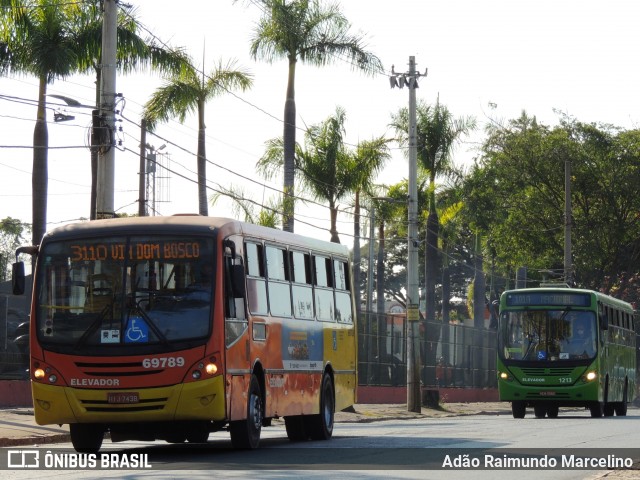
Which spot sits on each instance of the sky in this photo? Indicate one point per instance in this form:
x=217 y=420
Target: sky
x=489 y=59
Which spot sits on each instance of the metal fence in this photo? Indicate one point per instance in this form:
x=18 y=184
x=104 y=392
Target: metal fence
x=450 y=355
x=14 y=338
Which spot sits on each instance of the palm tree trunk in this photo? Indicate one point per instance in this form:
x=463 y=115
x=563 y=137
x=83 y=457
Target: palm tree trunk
x=433 y=330
x=333 y=211
x=479 y=298
x=357 y=268
x=203 y=208
x=40 y=174
x=289 y=141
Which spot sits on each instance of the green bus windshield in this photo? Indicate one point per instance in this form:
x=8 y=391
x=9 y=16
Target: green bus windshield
x=548 y=335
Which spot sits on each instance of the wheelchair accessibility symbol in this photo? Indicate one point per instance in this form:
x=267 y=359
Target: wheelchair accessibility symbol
x=137 y=331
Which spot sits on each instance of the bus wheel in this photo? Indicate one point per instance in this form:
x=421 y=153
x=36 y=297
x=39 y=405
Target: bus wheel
x=596 y=409
x=552 y=411
x=246 y=433
x=320 y=427
x=607 y=409
x=540 y=411
x=86 y=437
x=198 y=433
x=621 y=407
x=518 y=409
x=295 y=426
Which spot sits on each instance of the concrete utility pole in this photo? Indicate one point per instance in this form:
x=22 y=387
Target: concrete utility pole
x=142 y=184
x=414 y=403
x=568 y=220
x=106 y=159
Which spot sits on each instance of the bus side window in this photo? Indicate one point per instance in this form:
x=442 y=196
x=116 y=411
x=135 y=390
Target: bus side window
x=301 y=289
x=256 y=282
x=279 y=286
x=234 y=292
x=325 y=308
x=344 y=311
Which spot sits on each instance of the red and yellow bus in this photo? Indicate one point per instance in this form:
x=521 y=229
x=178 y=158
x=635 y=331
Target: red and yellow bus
x=174 y=327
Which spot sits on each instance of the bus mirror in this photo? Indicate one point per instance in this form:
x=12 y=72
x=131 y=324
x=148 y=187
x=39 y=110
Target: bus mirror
x=17 y=278
x=237 y=278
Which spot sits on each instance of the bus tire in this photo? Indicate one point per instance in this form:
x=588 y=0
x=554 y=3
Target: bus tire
x=608 y=409
x=86 y=437
x=518 y=409
x=198 y=433
x=621 y=407
x=539 y=411
x=552 y=411
x=245 y=434
x=596 y=409
x=320 y=426
x=295 y=426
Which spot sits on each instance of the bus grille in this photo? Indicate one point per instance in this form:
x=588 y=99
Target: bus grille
x=144 y=405
x=115 y=369
x=548 y=372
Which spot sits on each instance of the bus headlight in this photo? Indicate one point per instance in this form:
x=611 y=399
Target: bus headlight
x=38 y=373
x=505 y=376
x=211 y=368
x=589 y=376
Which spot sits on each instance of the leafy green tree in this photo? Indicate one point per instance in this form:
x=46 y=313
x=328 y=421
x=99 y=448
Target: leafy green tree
x=307 y=31
x=187 y=92
x=515 y=195
x=12 y=233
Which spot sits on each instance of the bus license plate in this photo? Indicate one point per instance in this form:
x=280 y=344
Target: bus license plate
x=547 y=394
x=123 y=397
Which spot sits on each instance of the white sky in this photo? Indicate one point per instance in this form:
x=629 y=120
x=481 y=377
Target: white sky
x=577 y=56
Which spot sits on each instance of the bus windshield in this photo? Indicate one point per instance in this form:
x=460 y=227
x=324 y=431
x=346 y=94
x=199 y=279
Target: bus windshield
x=127 y=291
x=554 y=335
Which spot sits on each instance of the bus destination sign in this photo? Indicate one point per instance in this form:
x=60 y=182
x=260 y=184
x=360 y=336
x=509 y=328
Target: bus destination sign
x=135 y=251
x=548 y=298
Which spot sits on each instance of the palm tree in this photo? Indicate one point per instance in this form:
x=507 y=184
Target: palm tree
x=187 y=92
x=308 y=31
x=437 y=134
x=39 y=38
x=52 y=41
x=133 y=53
x=245 y=207
x=328 y=170
x=370 y=156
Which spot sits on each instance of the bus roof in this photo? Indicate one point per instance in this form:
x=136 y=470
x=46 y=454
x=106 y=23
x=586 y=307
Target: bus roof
x=193 y=224
x=601 y=297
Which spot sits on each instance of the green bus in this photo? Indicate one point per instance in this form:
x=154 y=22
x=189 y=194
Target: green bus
x=565 y=347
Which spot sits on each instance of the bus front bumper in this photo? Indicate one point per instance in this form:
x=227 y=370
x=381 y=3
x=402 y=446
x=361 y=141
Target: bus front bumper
x=202 y=400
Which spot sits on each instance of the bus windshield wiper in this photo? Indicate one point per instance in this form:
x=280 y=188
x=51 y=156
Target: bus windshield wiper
x=152 y=325
x=93 y=327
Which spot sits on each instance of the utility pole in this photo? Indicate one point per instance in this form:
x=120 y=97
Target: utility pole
x=414 y=403
x=142 y=190
x=106 y=159
x=568 y=220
